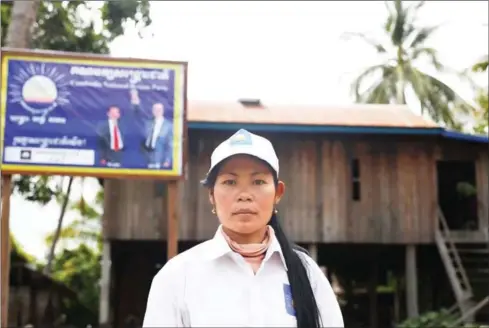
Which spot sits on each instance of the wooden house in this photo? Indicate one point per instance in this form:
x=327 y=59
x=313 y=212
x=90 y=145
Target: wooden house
x=372 y=190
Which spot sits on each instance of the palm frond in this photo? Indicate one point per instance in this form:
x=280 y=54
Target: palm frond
x=417 y=81
x=447 y=92
x=371 y=41
x=389 y=23
x=417 y=6
x=359 y=81
x=409 y=30
x=439 y=110
x=383 y=91
x=421 y=35
x=438 y=99
x=387 y=5
x=431 y=54
x=412 y=12
x=377 y=94
x=398 y=30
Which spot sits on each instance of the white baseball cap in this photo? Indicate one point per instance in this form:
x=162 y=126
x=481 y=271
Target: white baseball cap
x=244 y=142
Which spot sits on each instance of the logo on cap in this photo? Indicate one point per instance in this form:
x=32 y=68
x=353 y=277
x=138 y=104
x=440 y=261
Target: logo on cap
x=242 y=137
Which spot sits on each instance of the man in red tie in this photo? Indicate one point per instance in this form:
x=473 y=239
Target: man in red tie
x=111 y=141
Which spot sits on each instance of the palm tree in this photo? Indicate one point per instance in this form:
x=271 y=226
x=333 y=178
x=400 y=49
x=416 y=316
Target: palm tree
x=398 y=72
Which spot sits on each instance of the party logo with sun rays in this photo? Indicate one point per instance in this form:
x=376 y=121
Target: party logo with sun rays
x=37 y=89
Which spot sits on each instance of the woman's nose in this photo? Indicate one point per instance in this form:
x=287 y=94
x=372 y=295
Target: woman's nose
x=244 y=197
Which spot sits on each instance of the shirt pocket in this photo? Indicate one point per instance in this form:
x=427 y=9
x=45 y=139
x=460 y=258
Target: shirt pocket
x=279 y=306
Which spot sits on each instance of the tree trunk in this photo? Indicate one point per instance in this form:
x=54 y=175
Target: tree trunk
x=49 y=264
x=401 y=83
x=22 y=19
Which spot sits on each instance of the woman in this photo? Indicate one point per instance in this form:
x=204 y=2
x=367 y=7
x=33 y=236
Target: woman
x=249 y=274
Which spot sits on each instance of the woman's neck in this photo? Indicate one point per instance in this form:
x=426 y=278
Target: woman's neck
x=253 y=253
x=254 y=238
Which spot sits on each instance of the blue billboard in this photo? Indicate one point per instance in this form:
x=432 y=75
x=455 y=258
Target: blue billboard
x=70 y=115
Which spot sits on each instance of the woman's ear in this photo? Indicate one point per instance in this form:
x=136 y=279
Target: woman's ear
x=279 y=192
x=211 y=197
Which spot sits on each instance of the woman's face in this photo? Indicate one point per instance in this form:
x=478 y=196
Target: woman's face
x=244 y=197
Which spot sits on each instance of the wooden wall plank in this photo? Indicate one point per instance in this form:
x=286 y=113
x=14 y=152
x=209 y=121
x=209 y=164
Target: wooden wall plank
x=397 y=179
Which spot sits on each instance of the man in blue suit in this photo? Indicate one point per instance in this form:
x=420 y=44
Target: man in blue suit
x=157 y=134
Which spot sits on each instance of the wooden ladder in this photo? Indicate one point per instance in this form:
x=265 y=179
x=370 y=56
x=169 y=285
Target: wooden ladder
x=456 y=272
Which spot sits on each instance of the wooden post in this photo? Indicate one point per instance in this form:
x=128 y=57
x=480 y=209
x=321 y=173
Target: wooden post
x=105 y=285
x=411 y=282
x=372 y=293
x=172 y=215
x=397 y=299
x=5 y=248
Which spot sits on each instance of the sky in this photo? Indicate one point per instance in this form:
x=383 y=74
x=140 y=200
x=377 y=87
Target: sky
x=279 y=52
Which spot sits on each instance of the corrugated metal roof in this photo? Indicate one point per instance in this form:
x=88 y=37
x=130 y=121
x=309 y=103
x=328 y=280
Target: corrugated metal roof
x=357 y=118
x=359 y=115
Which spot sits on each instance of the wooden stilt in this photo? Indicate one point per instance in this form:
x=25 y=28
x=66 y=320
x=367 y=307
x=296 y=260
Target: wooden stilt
x=5 y=248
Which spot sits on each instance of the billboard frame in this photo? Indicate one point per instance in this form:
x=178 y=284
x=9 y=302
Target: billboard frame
x=10 y=53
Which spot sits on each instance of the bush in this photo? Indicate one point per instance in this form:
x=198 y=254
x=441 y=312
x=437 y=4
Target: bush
x=432 y=319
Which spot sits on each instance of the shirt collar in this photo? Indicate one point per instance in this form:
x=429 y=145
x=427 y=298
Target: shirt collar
x=219 y=247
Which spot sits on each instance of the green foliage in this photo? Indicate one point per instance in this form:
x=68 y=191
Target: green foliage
x=60 y=27
x=398 y=71
x=441 y=319
x=36 y=188
x=5 y=19
x=482 y=113
x=116 y=14
x=482 y=100
x=79 y=269
x=482 y=65
x=466 y=189
x=86 y=228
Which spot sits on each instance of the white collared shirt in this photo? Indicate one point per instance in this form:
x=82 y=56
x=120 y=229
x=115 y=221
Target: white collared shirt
x=209 y=285
x=156 y=130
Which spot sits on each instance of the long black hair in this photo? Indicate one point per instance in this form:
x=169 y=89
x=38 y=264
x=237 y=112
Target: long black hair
x=306 y=309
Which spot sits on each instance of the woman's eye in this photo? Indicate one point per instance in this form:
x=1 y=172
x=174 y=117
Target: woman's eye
x=229 y=182
x=259 y=182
